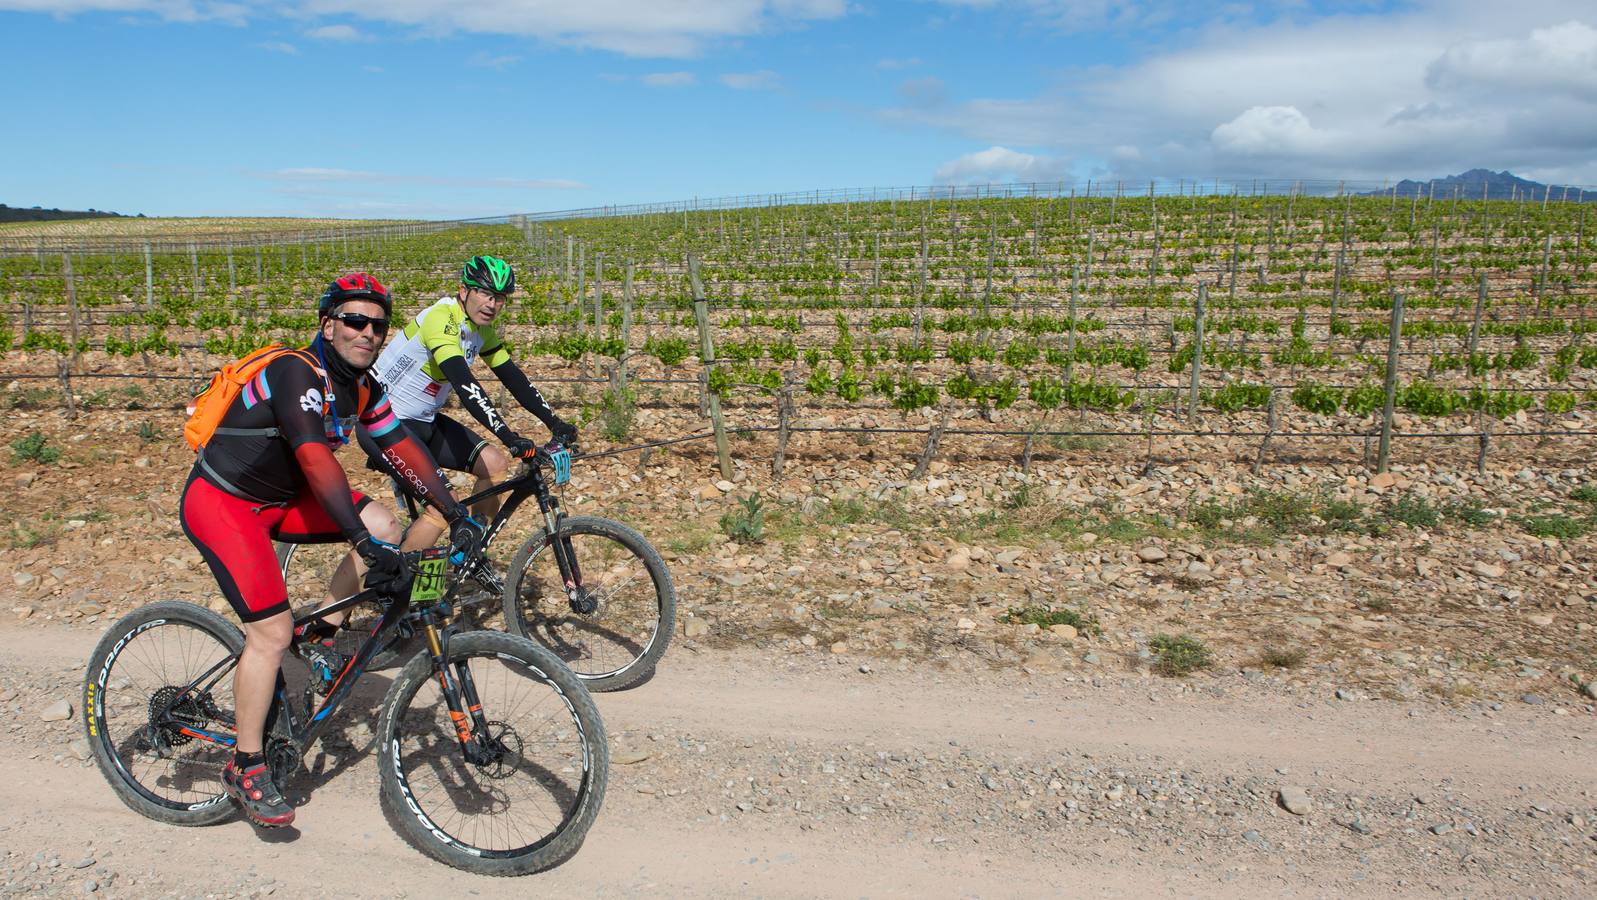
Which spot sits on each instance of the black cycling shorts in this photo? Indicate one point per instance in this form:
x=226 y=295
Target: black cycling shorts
x=453 y=445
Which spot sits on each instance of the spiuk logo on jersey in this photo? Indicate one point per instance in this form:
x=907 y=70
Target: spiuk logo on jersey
x=311 y=400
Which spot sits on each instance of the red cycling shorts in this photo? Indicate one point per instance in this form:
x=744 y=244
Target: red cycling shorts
x=235 y=536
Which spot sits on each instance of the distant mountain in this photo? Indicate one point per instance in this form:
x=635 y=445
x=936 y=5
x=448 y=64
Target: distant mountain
x=1478 y=183
x=39 y=214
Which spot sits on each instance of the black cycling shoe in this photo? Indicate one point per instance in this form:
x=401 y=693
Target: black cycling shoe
x=258 y=795
x=326 y=664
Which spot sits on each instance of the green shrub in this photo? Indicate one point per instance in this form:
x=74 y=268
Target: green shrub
x=1044 y=617
x=34 y=448
x=1317 y=398
x=745 y=525
x=1179 y=655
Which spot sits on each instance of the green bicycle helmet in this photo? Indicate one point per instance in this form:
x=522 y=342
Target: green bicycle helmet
x=489 y=273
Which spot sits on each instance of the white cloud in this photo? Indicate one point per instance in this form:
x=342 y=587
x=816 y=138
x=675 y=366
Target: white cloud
x=669 y=79
x=1443 y=86
x=763 y=80
x=336 y=33
x=279 y=47
x=999 y=164
x=484 y=60
x=1561 y=59
x=1267 y=130
x=647 y=28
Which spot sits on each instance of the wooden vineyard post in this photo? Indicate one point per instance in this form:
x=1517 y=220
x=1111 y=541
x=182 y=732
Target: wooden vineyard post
x=1272 y=420
x=1475 y=325
x=784 y=423
x=626 y=321
x=1485 y=445
x=71 y=356
x=598 y=296
x=934 y=436
x=257 y=262
x=1197 y=351
x=232 y=274
x=701 y=314
x=1541 y=280
x=1070 y=328
x=1336 y=294
x=1384 y=453
x=194 y=272
x=876 y=264
x=149 y=279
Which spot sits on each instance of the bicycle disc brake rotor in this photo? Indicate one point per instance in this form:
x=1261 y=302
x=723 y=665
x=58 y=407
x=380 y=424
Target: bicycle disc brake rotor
x=502 y=748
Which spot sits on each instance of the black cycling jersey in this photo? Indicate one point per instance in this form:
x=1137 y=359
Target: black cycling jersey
x=291 y=433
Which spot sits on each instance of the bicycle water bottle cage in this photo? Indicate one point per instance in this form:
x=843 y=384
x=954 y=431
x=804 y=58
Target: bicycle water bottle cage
x=561 y=462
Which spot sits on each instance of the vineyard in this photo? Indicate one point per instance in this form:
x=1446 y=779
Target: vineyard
x=1361 y=326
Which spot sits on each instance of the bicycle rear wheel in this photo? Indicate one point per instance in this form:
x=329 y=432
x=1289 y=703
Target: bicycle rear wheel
x=146 y=733
x=626 y=581
x=527 y=799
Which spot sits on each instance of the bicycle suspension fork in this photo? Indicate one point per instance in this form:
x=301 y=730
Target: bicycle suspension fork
x=565 y=557
x=460 y=695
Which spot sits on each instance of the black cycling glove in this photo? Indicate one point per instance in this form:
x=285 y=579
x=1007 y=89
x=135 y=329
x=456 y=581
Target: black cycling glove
x=386 y=570
x=465 y=538
x=564 y=432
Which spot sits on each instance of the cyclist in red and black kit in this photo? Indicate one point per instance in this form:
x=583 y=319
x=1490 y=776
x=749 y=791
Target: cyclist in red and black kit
x=268 y=473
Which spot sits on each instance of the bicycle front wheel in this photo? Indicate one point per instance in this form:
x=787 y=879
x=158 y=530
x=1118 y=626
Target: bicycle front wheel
x=520 y=793
x=619 y=626
x=159 y=682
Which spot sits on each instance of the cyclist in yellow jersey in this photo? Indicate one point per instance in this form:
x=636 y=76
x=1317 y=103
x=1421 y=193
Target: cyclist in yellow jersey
x=432 y=359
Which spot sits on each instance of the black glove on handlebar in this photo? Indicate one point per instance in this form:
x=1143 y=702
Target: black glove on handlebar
x=466 y=536
x=386 y=570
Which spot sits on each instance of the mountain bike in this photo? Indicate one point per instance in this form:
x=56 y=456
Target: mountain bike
x=492 y=756
x=590 y=589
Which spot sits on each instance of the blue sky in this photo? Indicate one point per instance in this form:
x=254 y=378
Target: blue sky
x=431 y=108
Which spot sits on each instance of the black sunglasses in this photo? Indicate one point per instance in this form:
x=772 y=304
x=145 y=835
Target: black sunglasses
x=358 y=322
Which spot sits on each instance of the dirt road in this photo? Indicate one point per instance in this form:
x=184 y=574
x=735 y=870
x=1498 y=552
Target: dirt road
x=767 y=774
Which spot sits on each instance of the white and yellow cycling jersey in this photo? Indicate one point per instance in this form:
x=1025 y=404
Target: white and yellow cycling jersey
x=409 y=365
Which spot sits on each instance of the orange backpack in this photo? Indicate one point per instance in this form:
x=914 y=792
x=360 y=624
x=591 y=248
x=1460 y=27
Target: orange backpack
x=206 y=412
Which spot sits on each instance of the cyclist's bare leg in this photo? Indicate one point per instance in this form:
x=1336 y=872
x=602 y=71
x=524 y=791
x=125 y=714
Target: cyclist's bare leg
x=491 y=468
x=256 y=676
x=425 y=531
x=346 y=580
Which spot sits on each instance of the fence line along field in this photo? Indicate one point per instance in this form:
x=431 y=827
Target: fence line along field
x=1269 y=316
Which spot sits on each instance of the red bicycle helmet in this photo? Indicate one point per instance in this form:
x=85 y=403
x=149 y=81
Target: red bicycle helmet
x=355 y=286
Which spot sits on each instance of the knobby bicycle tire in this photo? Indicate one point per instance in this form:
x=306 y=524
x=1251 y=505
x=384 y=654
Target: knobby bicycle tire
x=623 y=641
x=138 y=666
x=552 y=763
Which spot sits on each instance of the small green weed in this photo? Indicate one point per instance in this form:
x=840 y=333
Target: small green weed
x=1554 y=525
x=1470 y=514
x=747 y=524
x=1586 y=493
x=148 y=432
x=1278 y=657
x=1179 y=655
x=1413 y=511
x=617 y=411
x=1044 y=617
x=34 y=447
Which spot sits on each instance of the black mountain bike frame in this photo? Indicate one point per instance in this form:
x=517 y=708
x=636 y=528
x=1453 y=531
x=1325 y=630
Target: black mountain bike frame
x=530 y=482
x=465 y=707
